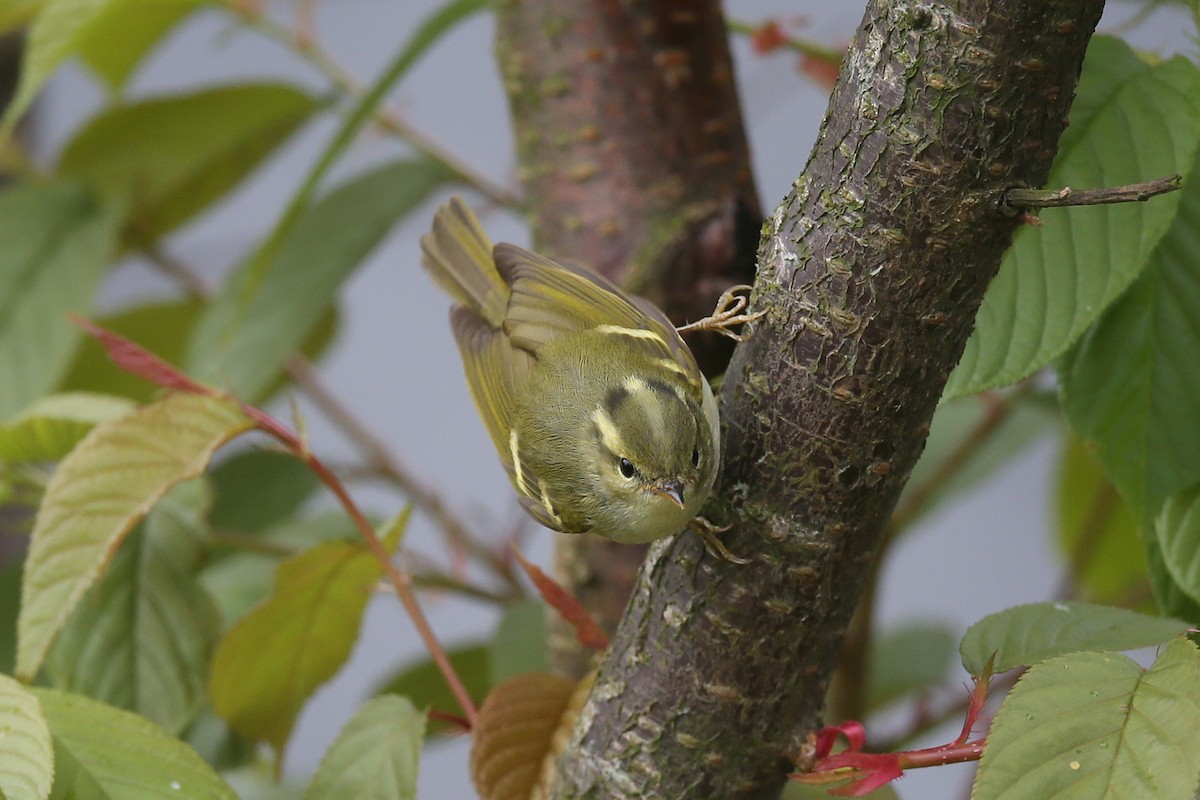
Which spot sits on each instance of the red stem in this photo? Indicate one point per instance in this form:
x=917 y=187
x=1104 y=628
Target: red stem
x=400 y=581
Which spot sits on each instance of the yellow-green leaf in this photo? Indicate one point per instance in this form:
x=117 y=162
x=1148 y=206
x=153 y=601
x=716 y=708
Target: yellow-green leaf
x=375 y=756
x=99 y=492
x=26 y=753
x=271 y=661
x=104 y=753
x=141 y=638
x=52 y=425
x=55 y=242
x=116 y=41
x=1094 y=725
x=171 y=157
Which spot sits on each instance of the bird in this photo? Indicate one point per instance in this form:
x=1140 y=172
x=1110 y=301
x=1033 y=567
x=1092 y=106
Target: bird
x=594 y=403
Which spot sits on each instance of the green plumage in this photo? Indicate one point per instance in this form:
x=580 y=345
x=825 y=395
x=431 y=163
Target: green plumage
x=595 y=405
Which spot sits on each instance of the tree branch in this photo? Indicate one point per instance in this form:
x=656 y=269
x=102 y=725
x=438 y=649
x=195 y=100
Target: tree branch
x=1016 y=200
x=870 y=272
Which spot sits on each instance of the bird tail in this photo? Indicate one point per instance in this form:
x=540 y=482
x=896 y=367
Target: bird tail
x=458 y=254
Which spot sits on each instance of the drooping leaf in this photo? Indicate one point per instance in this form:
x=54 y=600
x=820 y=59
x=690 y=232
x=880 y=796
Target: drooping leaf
x=1131 y=385
x=99 y=492
x=1169 y=596
x=261 y=319
x=55 y=242
x=587 y=630
x=172 y=157
x=1058 y=279
x=120 y=36
x=27 y=766
x=259 y=488
x=52 y=425
x=1095 y=528
x=1027 y=634
x=104 y=753
x=142 y=636
x=375 y=756
x=1178 y=532
x=519 y=644
x=423 y=684
x=240 y=574
x=517 y=734
x=270 y=662
x=1094 y=725
x=910 y=659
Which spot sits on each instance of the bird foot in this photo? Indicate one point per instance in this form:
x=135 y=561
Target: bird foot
x=707 y=532
x=730 y=312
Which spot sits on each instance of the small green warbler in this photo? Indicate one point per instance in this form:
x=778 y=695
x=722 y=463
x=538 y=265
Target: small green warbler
x=594 y=403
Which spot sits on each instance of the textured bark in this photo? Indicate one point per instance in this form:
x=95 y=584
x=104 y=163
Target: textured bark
x=871 y=272
x=634 y=161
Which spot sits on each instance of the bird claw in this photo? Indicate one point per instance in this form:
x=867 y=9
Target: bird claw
x=707 y=532
x=730 y=312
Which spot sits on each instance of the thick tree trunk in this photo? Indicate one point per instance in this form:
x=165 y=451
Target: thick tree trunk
x=871 y=272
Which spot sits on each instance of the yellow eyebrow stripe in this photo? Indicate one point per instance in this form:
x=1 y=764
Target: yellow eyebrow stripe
x=608 y=431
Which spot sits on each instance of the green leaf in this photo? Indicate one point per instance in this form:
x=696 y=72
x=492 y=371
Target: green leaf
x=1027 y=634
x=141 y=638
x=422 y=682
x=171 y=157
x=1178 y=532
x=907 y=660
x=1095 y=528
x=260 y=488
x=258 y=321
x=375 y=756
x=241 y=579
x=53 y=425
x=1094 y=725
x=520 y=641
x=55 y=242
x=99 y=492
x=1168 y=595
x=27 y=768
x=53 y=38
x=1130 y=388
x=103 y=753
x=115 y=40
x=1007 y=424
x=271 y=661
x=1058 y=279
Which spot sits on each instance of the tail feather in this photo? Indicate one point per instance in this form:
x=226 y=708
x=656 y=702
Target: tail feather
x=458 y=254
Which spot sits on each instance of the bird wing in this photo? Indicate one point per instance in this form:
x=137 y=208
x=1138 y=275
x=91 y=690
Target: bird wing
x=549 y=299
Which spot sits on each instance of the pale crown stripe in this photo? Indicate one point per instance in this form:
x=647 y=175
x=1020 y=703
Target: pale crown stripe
x=608 y=431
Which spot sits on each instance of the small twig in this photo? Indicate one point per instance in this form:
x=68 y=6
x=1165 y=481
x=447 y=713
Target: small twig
x=922 y=494
x=380 y=461
x=309 y=49
x=400 y=581
x=802 y=46
x=1016 y=200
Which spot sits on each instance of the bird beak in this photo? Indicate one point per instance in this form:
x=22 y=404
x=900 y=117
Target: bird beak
x=672 y=490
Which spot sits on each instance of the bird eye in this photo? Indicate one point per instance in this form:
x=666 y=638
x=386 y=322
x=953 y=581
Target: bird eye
x=695 y=456
x=627 y=468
